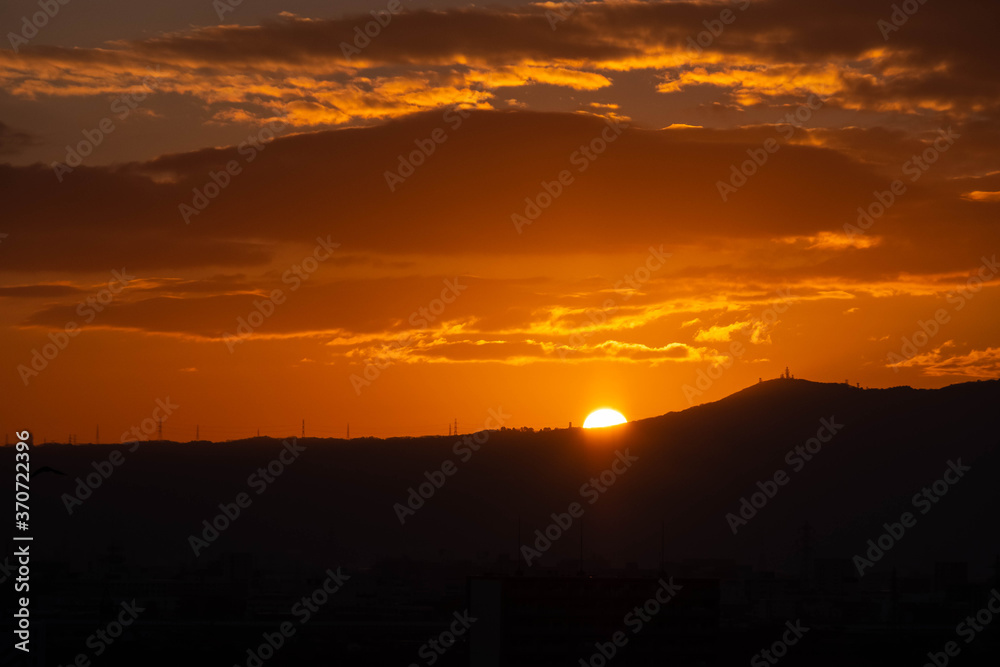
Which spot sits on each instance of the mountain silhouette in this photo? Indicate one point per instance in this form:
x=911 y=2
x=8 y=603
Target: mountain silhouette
x=671 y=505
x=693 y=468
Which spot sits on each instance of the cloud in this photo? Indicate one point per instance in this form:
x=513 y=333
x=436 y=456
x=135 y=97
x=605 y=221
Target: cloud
x=648 y=187
x=758 y=332
x=39 y=291
x=980 y=196
x=652 y=184
x=12 y=141
x=771 y=52
x=718 y=334
x=446 y=350
x=832 y=241
x=943 y=361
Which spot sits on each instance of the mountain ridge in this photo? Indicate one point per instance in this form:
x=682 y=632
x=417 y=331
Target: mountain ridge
x=693 y=468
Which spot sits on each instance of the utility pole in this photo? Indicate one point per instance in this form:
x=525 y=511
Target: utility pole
x=159 y=429
x=303 y=428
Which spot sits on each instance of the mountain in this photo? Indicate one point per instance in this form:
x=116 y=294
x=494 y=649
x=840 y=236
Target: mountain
x=691 y=470
x=219 y=542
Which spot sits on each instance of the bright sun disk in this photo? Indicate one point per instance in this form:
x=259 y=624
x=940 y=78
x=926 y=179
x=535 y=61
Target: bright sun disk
x=604 y=417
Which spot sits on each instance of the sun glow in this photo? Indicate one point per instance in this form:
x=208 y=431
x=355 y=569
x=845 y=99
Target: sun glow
x=604 y=417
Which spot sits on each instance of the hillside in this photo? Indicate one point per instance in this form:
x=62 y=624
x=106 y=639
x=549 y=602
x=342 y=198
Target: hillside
x=692 y=470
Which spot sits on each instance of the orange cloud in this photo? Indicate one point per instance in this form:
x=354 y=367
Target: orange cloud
x=980 y=196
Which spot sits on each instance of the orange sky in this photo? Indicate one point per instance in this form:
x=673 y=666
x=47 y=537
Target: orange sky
x=496 y=207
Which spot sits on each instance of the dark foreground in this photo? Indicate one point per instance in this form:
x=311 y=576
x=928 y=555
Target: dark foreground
x=732 y=533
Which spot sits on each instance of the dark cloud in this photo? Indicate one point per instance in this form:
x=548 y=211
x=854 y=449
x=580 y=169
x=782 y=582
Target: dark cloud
x=646 y=187
x=493 y=36
x=384 y=307
x=100 y=218
x=13 y=141
x=38 y=291
x=213 y=284
x=942 y=57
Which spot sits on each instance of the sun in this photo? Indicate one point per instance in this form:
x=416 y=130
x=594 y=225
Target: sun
x=604 y=417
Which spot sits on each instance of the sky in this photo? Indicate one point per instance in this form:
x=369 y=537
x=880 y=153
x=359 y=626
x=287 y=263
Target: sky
x=235 y=217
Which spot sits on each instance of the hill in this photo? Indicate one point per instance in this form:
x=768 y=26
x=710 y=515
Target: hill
x=692 y=470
